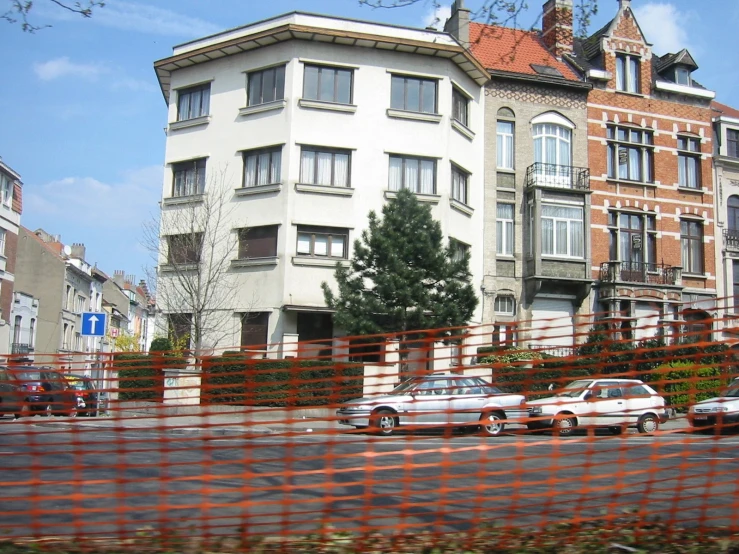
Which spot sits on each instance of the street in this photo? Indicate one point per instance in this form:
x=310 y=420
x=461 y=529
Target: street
x=68 y=479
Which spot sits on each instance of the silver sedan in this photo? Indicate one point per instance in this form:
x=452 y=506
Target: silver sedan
x=437 y=401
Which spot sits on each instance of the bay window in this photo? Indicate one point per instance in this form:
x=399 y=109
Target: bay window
x=562 y=231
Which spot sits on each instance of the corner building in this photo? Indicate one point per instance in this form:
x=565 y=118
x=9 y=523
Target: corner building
x=313 y=121
x=650 y=148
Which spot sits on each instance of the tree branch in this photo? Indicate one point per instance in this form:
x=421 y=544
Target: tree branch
x=20 y=9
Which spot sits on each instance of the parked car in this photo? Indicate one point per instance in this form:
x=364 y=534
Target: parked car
x=87 y=396
x=42 y=390
x=11 y=398
x=435 y=401
x=721 y=410
x=612 y=403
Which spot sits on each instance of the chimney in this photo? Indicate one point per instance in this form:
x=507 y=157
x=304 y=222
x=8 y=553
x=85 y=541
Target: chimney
x=119 y=277
x=624 y=4
x=556 y=29
x=78 y=251
x=458 y=24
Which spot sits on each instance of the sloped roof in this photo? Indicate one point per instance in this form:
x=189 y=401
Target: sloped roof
x=514 y=51
x=591 y=45
x=723 y=109
x=682 y=57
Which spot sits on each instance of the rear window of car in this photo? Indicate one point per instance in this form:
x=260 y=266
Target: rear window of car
x=79 y=384
x=27 y=375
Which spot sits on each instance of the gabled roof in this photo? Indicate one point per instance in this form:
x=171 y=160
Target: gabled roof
x=515 y=51
x=591 y=45
x=722 y=109
x=683 y=57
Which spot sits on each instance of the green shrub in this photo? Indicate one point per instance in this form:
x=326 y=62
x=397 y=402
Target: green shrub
x=161 y=344
x=236 y=379
x=683 y=383
x=138 y=379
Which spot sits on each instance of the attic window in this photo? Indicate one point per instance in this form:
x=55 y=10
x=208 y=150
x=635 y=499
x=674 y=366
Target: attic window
x=682 y=76
x=547 y=70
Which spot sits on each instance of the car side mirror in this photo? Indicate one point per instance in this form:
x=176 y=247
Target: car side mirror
x=588 y=395
x=551 y=386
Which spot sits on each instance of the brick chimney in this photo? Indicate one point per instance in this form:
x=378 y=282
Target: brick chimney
x=556 y=29
x=458 y=24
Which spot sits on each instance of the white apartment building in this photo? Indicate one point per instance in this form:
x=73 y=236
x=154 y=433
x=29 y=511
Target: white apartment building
x=303 y=124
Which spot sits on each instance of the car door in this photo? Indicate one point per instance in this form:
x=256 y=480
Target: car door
x=9 y=400
x=638 y=400
x=608 y=406
x=430 y=404
x=57 y=387
x=466 y=400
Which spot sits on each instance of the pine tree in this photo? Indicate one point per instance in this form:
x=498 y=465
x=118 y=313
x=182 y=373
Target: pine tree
x=401 y=277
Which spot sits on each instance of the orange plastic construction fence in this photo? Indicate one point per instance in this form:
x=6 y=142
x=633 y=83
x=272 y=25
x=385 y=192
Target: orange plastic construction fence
x=456 y=428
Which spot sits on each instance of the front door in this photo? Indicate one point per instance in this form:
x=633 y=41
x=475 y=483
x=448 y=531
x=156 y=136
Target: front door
x=607 y=405
x=467 y=400
x=430 y=403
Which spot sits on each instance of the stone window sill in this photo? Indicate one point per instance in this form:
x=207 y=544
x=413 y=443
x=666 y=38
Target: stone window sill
x=463 y=130
x=427 y=198
x=414 y=116
x=323 y=189
x=319 y=262
x=183 y=200
x=255 y=262
x=461 y=207
x=329 y=106
x=689 y=189
x=260 y=189
x=169 y=268
x=260 y=108
x=194 y=122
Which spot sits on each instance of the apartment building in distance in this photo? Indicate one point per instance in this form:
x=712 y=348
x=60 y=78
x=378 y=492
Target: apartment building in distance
x=652 y=204
x=300 y=125
x=11 y=204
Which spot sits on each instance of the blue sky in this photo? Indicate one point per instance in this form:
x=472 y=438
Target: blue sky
x=82 y=117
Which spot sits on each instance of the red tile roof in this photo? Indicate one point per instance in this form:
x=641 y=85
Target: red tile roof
x=728 y=111
x=513 y=50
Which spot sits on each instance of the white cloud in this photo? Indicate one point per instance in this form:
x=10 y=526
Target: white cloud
x=138 y=85
x=437 y=16
x=143 y=18
x=64 y=67
x=664 y=26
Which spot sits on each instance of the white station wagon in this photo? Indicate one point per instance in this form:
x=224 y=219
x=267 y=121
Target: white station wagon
x=611 y=403
x=722 y=410
x=437 y=400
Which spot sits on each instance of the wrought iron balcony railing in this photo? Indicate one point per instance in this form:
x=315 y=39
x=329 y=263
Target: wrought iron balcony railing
x=558 y=176
x=21 y=348
x=640 y=272
x=731 y=239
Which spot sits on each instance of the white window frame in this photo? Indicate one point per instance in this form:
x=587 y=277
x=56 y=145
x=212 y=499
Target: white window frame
x=684 y=72
x=3 y=234
x=190 y=93
x=504 y=305
x=274 y=168
x=628 y=76
x=416 y=187
x=460 y=107
x=505 y=243
x=505 y=145
x=460 y=184
x=313 y=179
x=645 y=148
x=6 y=189
x=459 y=249
x=333 y=235
x=570 y=224
x=689 y=154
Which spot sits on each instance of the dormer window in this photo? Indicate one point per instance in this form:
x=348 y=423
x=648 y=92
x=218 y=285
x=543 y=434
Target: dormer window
x=682 y=76
x=627 y=73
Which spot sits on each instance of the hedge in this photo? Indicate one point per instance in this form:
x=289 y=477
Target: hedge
x=237 y=379
x=684 y=383
x=138 y=379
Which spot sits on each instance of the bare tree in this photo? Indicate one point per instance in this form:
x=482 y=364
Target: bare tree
x=20 y=10
x=194 y=243
x=496 y=12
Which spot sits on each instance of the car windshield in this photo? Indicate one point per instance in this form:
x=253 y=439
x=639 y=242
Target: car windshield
x=574 y=389
x=406 y=386
x=78 y=384
x=732 y=391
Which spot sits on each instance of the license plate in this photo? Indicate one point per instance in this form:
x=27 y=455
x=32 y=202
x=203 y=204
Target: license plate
x=700 y=417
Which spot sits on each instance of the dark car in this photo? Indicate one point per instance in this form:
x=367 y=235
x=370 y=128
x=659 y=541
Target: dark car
x=39 y=390
x=87 y=395
x=11 y=398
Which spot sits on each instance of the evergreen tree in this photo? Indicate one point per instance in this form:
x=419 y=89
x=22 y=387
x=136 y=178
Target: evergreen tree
x=401 y=277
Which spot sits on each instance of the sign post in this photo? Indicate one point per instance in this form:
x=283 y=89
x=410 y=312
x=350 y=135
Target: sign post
x=93 y=324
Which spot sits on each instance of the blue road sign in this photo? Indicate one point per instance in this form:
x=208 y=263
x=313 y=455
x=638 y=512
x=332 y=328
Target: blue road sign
x=93 y=324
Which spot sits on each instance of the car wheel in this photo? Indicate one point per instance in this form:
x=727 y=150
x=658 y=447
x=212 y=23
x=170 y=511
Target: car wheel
x=563 y=426
x=25 y=411
x=384 y=422
x=491 y=424
x=648 y=423
x=617 y=430
x=48 y=409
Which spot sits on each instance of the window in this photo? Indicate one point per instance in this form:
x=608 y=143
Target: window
x=682 y=76
x=732 y=221
x=736 y=285
x=460 y=181
x=193 y=102
x=504 y=229
x=79 y=304
x=505 y=305
x=184 y=249
x=17 y=329
x=180 y=327
x=324 y=167
x=6 y=189
x=266 y=85
x=732 y=143
x=2 y=242
x=327 y=84
x=630 y=154
x=415 y=174
x=691 y=237
x=460 y=107
x=552 y=144
x=262 y=167
x=254 y=328
x=633 y=240
x=689 y=162
x=627 y=73
x=459 y=250
x=323 y=242
x=188 y=178
x=504 y=336
x=562 y=231
x=504 y=142
x=31 y=340
x=258 y=242
x=413 y=94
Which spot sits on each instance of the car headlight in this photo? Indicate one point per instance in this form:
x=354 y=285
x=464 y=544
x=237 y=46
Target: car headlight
x=354 y=408
x=720 y=409
x=535 y=410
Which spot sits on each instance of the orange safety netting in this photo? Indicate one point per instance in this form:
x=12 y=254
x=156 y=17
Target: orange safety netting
x=248 y=441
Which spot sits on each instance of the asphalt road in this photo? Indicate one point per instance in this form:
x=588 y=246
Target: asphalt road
x=71 y=480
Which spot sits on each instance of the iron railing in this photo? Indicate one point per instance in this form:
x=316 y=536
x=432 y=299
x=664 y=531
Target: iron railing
x=21 y=348
x=731 y=239
x=639 y=272
x=558 y=176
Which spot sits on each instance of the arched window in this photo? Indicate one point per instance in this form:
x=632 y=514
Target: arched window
x=505 y=139
x=552 y=139
x=732 y=221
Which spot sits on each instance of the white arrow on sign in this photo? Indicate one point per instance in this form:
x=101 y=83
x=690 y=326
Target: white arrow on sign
x=93 y=321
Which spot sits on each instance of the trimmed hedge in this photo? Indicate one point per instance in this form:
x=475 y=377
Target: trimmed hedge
x=684 y=383
x=138 y=379
x=237 y=379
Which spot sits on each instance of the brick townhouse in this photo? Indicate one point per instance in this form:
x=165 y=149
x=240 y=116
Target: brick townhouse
x=650 y=147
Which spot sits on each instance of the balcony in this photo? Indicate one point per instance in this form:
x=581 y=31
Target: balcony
x=21 y=348
x=731 y=240
x=639 y=272
x=558 y=176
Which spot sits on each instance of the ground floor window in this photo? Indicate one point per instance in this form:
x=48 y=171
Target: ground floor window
x=254 y=327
